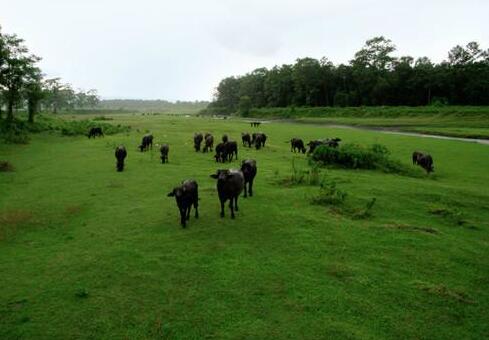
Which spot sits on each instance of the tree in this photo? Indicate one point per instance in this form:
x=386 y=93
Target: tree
x=245 y=106
x=58 y=95
x=34 y=94
x=17 y=69
x=376 y=53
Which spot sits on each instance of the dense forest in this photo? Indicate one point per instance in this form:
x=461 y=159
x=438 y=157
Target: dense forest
x=373 y=77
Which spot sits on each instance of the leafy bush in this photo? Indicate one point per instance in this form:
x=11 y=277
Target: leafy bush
x=13 y=132
x=354 y=156
x=81 y=127
x=329 y=194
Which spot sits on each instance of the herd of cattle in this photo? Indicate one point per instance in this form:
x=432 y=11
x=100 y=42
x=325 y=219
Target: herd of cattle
x=230 y=182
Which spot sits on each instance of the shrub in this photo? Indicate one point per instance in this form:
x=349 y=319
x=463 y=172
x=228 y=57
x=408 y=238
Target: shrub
x=309 y=176
x=329 y=194
x=354 y=156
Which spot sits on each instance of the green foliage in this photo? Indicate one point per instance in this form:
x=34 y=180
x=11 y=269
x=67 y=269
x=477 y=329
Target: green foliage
x=309 y=175
x=354 y=156
x=374 y=77
x=244 y=106
x=329 y=194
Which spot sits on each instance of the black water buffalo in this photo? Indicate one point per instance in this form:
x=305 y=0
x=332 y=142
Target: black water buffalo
x=164 y=149
x=423 y=160
x=230 y=184
x=146 y=143
x=120 y=155
x=219 y=156
x=255 y=124
x=230 y=149
x=297 y=144
x=259 y=140
x=186 y=195
x=416 y=156
x=208 y=142
x=225 y=138
x=95 y=131
x=248 y=167
x=246 y=139
x=197 y=140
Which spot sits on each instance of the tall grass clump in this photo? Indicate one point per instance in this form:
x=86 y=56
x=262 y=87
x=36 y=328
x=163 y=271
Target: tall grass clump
x=355 y=156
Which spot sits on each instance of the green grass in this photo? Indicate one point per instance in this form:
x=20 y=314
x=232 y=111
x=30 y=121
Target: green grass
x=87 y=252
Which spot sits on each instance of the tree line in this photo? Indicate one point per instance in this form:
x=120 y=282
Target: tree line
x=24 y=87
x=373 y=77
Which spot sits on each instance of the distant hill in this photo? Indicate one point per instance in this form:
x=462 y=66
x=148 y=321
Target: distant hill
x=160 y=106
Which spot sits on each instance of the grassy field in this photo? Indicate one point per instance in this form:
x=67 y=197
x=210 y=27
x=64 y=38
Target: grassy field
x=456 y=121
x=87 y=252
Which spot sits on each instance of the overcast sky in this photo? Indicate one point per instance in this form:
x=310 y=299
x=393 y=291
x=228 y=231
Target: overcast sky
x=174 y=50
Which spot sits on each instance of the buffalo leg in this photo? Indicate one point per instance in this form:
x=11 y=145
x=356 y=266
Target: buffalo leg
x=245 y=195
x=231 y=206
x=236 y=203
x=182 y=218
x=222 y=208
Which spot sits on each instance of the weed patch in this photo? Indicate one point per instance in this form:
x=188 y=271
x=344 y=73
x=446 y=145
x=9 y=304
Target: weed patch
x=6 y=166
x=444 y=292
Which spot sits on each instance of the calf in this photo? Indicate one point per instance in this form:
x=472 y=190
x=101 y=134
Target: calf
x=164 y=149
x=230 y=149
x=230 y=184
x=186 y=195
x=146 y=143
x=297 y=143
x=208 y=142
x=120 y=155
x=94 y=132
x=219 y=156
x=246 y=139
x=248 y=167
x=197 y=141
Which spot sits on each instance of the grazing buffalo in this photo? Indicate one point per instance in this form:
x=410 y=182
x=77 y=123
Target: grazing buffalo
x=146 y=143
x=219 y=156
x=230 y=149
x=120 y=155
x=248 y=167
x=197 y=141
x=423 y=160
x=186 y=195
x=230 y=184
x=225 y=138
x=164 y=149
x=333 y=143
x=246 y=139
x=259 y=140
x=208 y=142
x=95 y=131
x=416 y=156
x=255 y=124
x=297 y=144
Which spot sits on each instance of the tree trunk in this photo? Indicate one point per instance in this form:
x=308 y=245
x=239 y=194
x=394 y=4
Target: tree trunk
x=31 y=109
x=10 y=110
